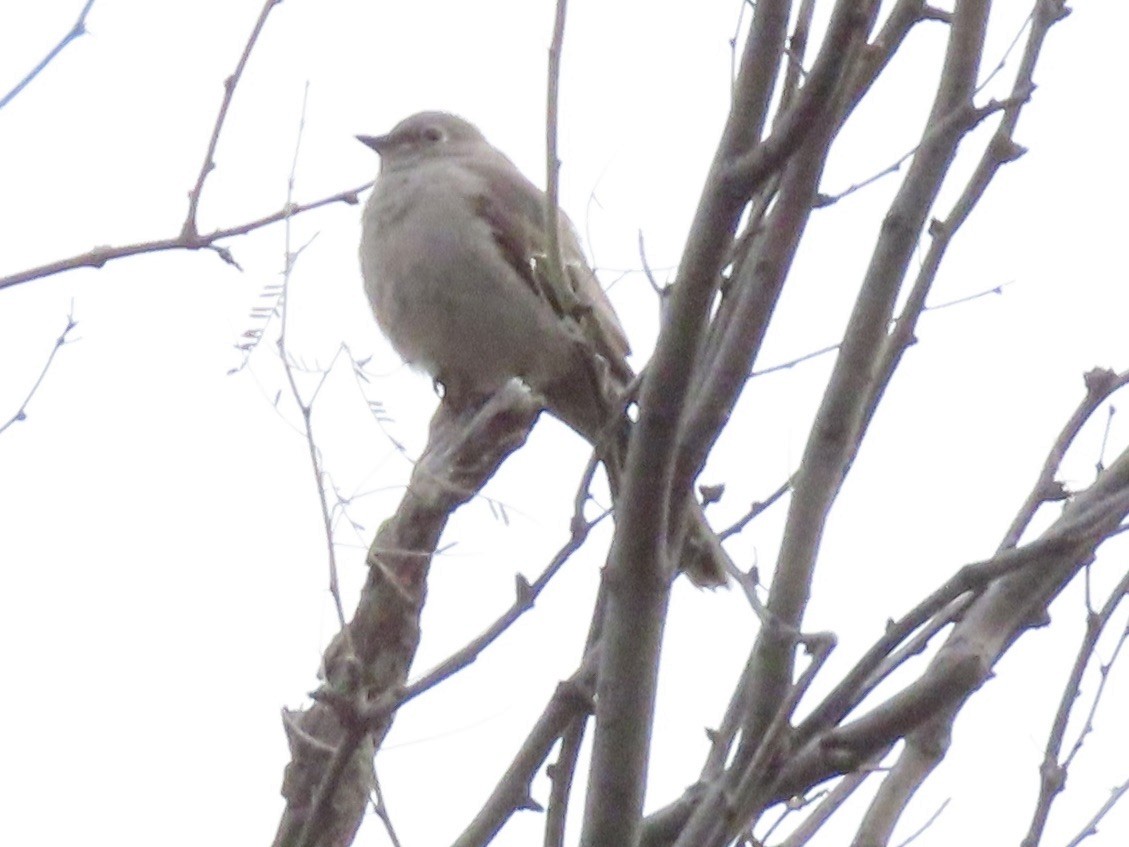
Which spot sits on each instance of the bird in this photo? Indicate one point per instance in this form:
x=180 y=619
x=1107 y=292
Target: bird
x=455 y=262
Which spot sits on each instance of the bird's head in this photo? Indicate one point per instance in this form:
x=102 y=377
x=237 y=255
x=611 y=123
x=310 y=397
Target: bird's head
x=423 y=136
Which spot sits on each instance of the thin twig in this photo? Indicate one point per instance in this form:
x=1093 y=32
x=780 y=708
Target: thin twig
x=972 y=577
x=831 y=348
x=1099 y=466
x=1100 y=384
x=1091 y=827
x=563 y=770
x=21 y=412
x=526 y=594
x=304 y=406
x=552 y=159
x=756 y=509
x=756 y=778
x=1052 y=772
x=561 y=774
x=1103 y=674
x=189 y=237
x=832 y=801
x=647 y=272
x=190 y=229
x=998 y=289
x=791 y=363
x=913 y=836
x=1002 y=63
x=733 y=43
x=381 y=809
x=571 y=698
x=77 y=30
x=99 y=256
x=965 y=118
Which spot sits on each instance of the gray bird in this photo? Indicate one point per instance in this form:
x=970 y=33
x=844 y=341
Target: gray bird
x=454 y=255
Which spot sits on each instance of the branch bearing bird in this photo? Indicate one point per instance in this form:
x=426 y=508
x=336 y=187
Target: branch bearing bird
x=454 y=256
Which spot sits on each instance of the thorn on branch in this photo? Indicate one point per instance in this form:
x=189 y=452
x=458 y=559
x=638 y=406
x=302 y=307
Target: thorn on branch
x=227 y=256
x=1054 y=491
x=1005 y=149
x=932 y=13
x=711 y=493
x=528 y=804
x=523 y=591
x=298 y=739
x=1099 y=381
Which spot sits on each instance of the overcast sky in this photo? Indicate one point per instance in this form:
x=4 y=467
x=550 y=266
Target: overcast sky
x=162 y=567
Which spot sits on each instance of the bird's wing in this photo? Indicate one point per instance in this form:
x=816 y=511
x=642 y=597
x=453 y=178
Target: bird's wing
x=515 y=209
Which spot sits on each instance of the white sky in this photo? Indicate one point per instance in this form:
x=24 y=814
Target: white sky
x=161 y=560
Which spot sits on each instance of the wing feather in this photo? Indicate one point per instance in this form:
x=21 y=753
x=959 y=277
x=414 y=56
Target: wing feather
x=515 y=210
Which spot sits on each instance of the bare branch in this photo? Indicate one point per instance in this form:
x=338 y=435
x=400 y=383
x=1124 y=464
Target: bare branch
x=994 y=620
x=1100 y=383
x=1083 y=527
x=965 y=119
x=832 y=802
x=561 y=772
x=190 y=229
x=756 y=509
x=306 y=406
x=799 y=360
x=639 y=589
x=327 y=795
x=772 y=238
x=77 y=30
x=572 y=698
x=925 y=826
x=831 y=348
x=99 y=256
x=381 y=810
x=552 y=159
x=1091 y=827
x=21 y=413
x=1052 y=772
x=189 y=237
x=525 y=596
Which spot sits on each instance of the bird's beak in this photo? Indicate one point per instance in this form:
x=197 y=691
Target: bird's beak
x=379 y=143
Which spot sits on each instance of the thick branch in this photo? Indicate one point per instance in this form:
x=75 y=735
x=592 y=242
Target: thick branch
x=840 y=423
x=327 y=783
x=637 y=574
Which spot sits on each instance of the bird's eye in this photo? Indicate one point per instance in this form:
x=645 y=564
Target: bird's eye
x=433 y=134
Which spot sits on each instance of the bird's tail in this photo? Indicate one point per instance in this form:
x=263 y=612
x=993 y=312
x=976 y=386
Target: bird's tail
x=593 y=403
